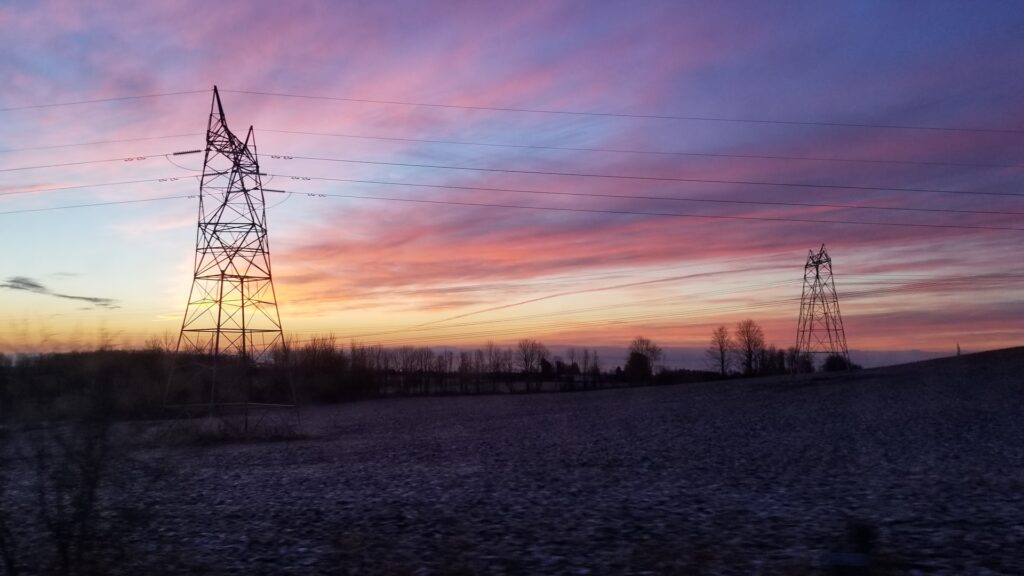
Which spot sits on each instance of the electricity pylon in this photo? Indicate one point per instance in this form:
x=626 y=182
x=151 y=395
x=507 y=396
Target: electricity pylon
x=820 y=328
x=231 y=326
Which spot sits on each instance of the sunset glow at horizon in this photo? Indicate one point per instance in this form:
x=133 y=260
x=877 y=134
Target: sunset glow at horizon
x=752 y=131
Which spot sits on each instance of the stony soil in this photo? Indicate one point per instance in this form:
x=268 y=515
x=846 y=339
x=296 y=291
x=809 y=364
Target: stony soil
x=743 y=477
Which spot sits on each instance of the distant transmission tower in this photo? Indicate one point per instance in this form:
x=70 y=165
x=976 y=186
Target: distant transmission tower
x=231 y=327
x=820 y=328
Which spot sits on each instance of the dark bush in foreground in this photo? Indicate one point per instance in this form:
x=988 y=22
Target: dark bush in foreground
x=838 y=363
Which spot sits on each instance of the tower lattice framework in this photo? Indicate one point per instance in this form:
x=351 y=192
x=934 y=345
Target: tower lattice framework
x=231 y=324
x=820 y=328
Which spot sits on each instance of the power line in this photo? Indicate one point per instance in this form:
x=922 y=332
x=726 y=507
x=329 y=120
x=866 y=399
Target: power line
x=542 y=147
x=655 y=198
x=600 y=323
x=908 y=281
x=649 y=152
x=578 y=324
x=761 y=258
x=176 y=165
x=433 y=324
x=632 y=115
x=548 y=208
x=99 y=185
x=590 y=277
x=437 y=332
x=434 y=328
x=537 y=111
x=100 y=161
x=98 y=143
x=96 y=204
x=643 y=178
x=100 y=100
x=615 y=321
x=586 y=175
x=641 y=213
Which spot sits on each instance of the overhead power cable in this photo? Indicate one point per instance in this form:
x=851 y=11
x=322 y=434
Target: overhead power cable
x=548 y=208
x=583 y=175
x=604 y=114
x=434 y=324
x=431 y=326
x=642 y=213
x=97 y=204
x=762 y=258
x=543 y=147
x=654 y=198
x=100 y=100
x=578 y=324
x=99 y=143
x=520 y=324
x=97 y=185
x=649 y=152
x=100 y=161
x=642 y=178
x=633 y=115
x=442 y=332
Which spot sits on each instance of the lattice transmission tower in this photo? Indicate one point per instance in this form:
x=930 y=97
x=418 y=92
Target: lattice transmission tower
x=820 y=328
x=231 y=327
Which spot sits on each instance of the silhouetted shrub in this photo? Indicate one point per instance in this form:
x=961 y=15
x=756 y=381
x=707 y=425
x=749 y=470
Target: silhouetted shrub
x=684 y=376
x=638 y=367
x=838 y=363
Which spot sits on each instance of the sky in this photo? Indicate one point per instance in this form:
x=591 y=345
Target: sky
x=576 y=125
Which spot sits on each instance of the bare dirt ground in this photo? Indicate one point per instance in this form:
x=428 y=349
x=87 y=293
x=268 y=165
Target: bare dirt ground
x=740 y=477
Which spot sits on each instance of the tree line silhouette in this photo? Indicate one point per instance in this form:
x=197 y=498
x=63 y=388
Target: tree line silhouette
x=744 y=353
x=322 y=370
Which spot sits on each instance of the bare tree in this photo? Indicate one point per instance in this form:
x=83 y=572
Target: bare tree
x=479 y=361
x=530 y=353
x=493 y=354
x=719 y=350
x=506 y=360
x=640 y=362
x=406 y=356
x=749 y=342
x=424 y=359
x=647 y=347
x=595 y=368
x=479 y=367
x=378 y=357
